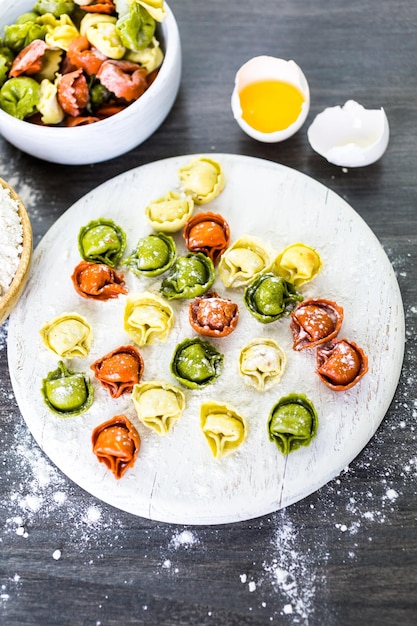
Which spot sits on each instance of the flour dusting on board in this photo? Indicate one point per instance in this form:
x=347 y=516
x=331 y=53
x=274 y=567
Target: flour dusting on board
x=282 y=588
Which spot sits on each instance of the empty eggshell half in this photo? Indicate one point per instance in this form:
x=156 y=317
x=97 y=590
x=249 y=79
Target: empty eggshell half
x=268 y=68
x=350 y=136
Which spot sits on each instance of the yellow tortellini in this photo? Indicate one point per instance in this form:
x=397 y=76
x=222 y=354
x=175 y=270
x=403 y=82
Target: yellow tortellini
x=298 y=264
x=68 y=335
x=224 y=429
x=101 y=32
x=48 y=105
x=262 y=363
x=149 y=58
x=147 y=318
x=169 y=212
x=244 y=260
x=51 y=62
x=60 y=31
x=158 y=404
x=203 y=179
x=155 y=8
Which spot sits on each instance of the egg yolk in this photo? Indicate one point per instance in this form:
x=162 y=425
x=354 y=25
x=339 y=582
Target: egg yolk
x=270 y=105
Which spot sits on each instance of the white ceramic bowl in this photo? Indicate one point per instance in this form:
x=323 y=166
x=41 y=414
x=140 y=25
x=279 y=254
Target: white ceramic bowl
x=110 y=137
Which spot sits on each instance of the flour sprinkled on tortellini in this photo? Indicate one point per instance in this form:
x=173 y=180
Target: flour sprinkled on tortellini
x=116 y=443
x=203 y=179
x=102 y=241
x=292 y=422
x=246 y=258
x=314 y=322
x=223 y=427
x=67 y=392
x=341 y=364
x=170 y=212
x=148 y=318
x=119 y=370
x=68 y=335
x=269 y=297
x=298 y=264
x=190 y=276
x=153 y=255
x=196 y=363
x=158 y=404
x=262 y=363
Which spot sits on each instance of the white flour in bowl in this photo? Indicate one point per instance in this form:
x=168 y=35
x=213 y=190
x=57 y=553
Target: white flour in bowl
x=11 y=238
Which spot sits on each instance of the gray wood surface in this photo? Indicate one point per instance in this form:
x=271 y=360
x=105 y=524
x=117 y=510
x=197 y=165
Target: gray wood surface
x=345 y=555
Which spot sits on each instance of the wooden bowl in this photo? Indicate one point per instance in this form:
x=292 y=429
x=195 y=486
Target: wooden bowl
x=14 y=291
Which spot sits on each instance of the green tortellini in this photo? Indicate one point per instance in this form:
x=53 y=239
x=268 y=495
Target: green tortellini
x=190 y=276
x=102 y=241
x=158 y=404
x=56 y=7
x=153 y=255
x=68 y=335
x=135 y=25
x=269 y=297
x=26 y=29
x=19 y=96
x=66 y=392
x=292 y=422
x=223 y=427
x=196 y=363
x=6 y=60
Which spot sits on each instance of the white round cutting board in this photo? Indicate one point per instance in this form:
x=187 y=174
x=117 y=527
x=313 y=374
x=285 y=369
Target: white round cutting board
x=176 y=478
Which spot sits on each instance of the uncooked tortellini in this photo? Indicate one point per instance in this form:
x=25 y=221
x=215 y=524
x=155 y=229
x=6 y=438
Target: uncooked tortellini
x=68 y=335
x=147 y=318
x=292 y=422
x=170 y=212
x=243 y=261
x=223 y=428
x=158 y=404
x=298 y=264
x=203 y=179
x=262 y=363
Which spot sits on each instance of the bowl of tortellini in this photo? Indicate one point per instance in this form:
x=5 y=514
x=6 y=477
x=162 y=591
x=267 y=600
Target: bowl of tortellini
x=85 y=81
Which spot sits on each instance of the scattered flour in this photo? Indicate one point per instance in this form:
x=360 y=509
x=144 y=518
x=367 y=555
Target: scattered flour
x=11 y=238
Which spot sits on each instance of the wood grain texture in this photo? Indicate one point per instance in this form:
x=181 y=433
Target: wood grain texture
x=345 y=555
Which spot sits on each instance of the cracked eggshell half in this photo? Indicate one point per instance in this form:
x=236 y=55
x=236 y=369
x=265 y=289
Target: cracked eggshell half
x=267 y=69
x=350 y=136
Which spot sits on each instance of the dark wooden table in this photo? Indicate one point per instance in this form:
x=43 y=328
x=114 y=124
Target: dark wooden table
x=347 y=554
